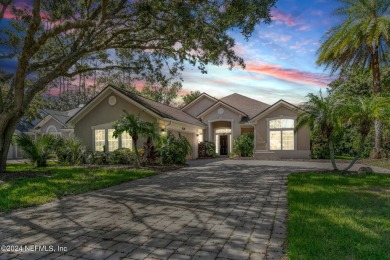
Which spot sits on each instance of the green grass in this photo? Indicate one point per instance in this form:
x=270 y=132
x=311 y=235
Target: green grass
x=344 y=157
x=64 y=181
x=338 y=217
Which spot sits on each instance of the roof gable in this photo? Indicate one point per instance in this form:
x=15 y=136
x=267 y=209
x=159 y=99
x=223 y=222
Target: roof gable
x=193 y=102
x=208 y=110
x=249 y=106
x=154 y=108
x=273 y=107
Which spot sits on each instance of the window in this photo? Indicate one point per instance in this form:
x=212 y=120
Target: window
x=127 y=142
x=52 y=130
x=100 y=140
x=112 y=141
x=281 y=134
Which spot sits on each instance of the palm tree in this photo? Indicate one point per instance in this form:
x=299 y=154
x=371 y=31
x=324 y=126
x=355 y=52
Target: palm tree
x=38 y=150
x=135 y=127
x=363 y=39
x=319 y=114
x=361 y=113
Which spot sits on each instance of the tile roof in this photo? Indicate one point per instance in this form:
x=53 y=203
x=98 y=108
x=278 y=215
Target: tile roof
x=249 y=106
x=61 y=116
x=160 y=109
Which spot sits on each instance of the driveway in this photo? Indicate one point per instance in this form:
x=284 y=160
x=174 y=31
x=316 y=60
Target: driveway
x=222 y=209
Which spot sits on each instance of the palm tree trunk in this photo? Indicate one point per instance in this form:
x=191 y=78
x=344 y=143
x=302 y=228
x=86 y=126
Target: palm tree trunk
x=137 y=162
x=359 y=153
x=376 y=76
x=332 y=158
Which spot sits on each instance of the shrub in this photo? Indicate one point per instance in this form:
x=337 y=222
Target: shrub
x=38 y=150
x=174 y=150
x=70 y=150
x=206 y=150
x=122 y=156
x=244 y=145
x=99 y=158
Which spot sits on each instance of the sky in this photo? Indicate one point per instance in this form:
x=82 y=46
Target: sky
x=280 y=57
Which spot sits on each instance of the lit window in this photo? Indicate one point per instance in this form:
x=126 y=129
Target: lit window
x=281 y=134
x=127 y=142
x=100 y=140
x=112 y=141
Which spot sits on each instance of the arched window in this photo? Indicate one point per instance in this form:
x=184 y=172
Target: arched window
x=52 y=130
x=281 y=134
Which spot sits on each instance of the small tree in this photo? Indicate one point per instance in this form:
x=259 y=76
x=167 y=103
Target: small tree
x=39 y=150
x=244 y=145
x=320 y=115
x=361 y=113
x=135 y=127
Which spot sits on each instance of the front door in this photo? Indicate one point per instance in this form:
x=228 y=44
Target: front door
x=223 y=142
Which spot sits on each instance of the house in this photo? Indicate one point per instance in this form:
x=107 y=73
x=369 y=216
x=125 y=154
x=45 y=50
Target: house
x=50 y=122
x=272 y=125
x=94 y=123
x=204 y=119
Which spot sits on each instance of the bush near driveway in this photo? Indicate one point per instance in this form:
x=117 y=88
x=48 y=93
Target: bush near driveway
x=206 y=150
x=335 y=216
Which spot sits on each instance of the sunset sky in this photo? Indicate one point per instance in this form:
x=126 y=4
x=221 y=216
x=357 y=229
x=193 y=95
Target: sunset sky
x=280 y=57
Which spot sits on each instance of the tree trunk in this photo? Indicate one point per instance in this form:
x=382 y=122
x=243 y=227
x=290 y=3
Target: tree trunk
x=331 y=152
x=137 y=161
x=359 y=153
x=377 y=152
x=6 y=134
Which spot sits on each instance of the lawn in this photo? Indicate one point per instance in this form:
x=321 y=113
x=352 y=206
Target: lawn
x=333 y=216
x=62 y=181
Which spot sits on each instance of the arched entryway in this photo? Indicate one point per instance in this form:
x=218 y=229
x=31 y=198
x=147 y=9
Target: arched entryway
x=221 y=134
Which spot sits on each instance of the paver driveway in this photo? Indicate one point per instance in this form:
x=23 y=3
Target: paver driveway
x=227 y=211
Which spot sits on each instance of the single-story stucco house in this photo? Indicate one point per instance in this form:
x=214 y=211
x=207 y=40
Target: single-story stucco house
x=204 y=119
x=50 y=122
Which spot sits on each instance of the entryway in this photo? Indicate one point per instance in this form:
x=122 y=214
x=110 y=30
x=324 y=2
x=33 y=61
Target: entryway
x=223 y=142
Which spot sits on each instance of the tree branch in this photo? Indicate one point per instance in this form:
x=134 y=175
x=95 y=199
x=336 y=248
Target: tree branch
x=5 y=4
x=74 y=73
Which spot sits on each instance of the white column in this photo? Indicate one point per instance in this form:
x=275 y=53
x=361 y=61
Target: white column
x=217 y=144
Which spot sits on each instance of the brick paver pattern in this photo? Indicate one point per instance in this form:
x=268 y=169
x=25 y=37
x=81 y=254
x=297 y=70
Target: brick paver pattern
x=214 y=211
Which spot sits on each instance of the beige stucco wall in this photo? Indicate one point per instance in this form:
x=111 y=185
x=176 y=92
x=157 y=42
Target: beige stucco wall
x=201 y=105
x=104 y=113
x=50 y=122
x=247 y=130
x=215 y=120
x=302 y=136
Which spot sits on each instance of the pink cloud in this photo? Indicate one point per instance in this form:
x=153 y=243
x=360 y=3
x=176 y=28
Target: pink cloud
x=304 y=28
x=292 y=75
x=283 y=18
x=285 y=38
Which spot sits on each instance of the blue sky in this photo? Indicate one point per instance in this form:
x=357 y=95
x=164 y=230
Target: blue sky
x=280 y=57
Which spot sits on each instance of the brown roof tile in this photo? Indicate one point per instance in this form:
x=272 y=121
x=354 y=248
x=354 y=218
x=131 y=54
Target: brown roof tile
x=249 y=106
x=162 y=110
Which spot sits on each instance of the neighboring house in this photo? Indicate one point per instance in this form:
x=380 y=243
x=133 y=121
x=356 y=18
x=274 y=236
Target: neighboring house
x=204 y=119
x=51 y=122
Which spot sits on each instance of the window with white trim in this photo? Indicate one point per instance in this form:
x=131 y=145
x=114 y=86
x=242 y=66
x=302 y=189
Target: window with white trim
x=127 y=142
x=100 y=139
x=113 y=143
x=281 y=134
